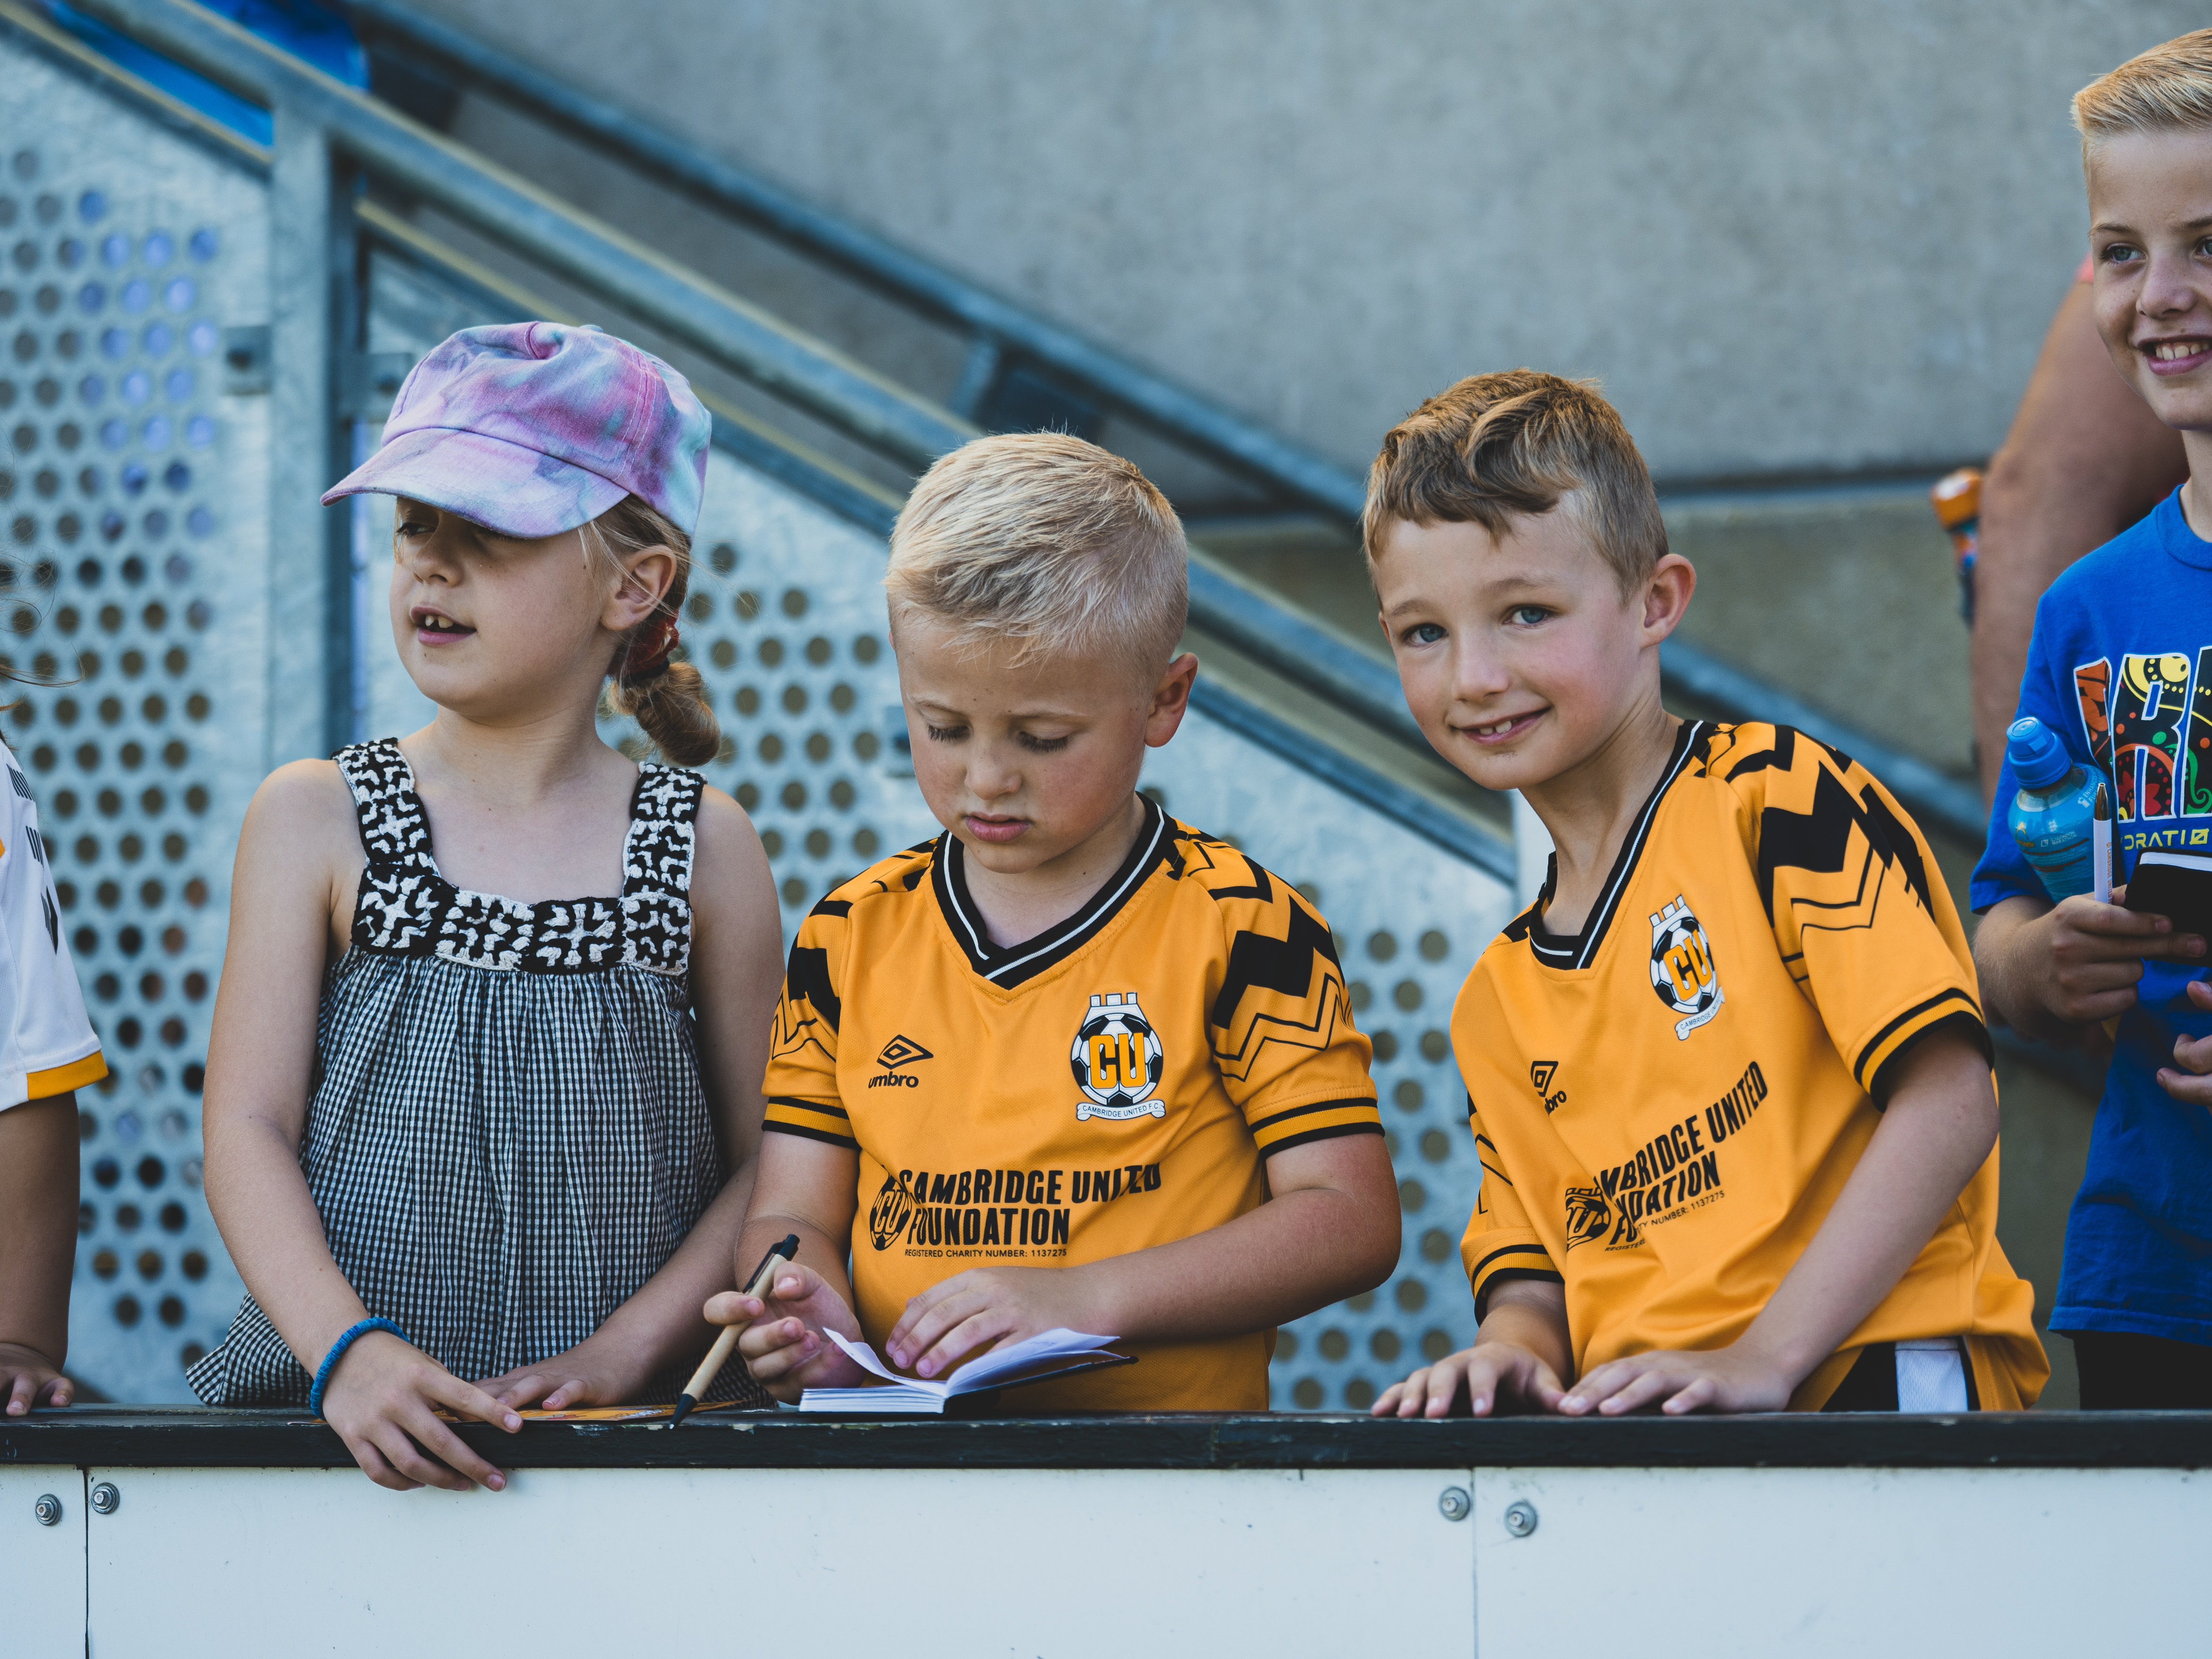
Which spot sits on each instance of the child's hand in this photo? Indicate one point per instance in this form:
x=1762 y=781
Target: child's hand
x=592 y=1373
x=783 y=1344
x=1477 y=1380
x=1738 y=1378
x=382 y=1400
x=981 y=1308
x=2078 y=961
x=29 y=1380
x=2192 y=1083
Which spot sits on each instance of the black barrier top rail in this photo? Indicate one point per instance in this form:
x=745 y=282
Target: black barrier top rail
x=997 y=328
x=816 y=377
x=195 y=1437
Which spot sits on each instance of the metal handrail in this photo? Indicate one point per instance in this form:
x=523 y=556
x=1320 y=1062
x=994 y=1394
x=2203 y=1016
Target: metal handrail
x=807 y=372
x=1304 y=652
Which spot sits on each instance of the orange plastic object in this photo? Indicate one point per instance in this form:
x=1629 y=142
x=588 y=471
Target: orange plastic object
x=1958 y=500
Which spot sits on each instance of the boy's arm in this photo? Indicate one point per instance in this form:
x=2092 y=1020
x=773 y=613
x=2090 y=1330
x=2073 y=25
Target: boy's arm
x=805 y=1187
x=38 y=1247
x=1940 y=1126
x=1519 y=1353
x=1329 y=1231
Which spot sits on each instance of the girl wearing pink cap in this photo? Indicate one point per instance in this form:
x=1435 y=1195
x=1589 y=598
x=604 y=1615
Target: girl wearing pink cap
x=477 y=1142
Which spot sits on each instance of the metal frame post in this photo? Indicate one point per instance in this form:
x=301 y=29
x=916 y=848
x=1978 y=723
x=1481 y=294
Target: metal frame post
x=310 y=579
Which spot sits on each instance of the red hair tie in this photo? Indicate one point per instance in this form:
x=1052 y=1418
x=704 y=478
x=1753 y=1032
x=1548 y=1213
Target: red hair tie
x=648 y=653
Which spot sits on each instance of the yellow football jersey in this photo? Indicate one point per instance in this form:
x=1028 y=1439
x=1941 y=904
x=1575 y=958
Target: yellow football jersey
x=1112 y=1084
x=1666 y=1105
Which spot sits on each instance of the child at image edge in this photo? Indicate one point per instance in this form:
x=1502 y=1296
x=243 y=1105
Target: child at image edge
x=483 y=1088
x=2120 y=669
x=1072 y=1063
x=1728 y=1076
x=47 y=1052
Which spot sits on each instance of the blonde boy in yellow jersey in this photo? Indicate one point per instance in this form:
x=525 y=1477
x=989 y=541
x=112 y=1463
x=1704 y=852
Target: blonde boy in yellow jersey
x=1072 y=1063
x=1728 y=1076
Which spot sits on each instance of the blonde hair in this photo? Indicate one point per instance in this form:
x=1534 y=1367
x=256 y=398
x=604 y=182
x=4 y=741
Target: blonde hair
x=2166 y=89
x=1496 y=447
x=665 y=694
x=1045 y=541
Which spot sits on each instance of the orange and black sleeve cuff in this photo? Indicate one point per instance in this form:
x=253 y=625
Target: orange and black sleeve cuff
x=815 y=1120
x=1496 y=1257
x=1323 y=1120
x=1952 y=1009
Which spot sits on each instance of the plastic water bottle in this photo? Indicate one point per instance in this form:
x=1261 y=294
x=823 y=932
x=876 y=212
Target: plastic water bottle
x=2052 y=817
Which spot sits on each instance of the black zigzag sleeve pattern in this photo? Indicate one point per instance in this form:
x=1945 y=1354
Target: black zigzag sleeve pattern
x=1819 y=842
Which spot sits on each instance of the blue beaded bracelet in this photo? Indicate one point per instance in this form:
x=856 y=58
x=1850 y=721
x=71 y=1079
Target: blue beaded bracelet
x=353 y=1334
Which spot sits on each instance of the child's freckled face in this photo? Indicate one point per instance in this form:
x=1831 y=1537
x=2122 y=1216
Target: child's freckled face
x=1516 y=652
x=2150 y=237
x=483 y=620
x=1022 y=761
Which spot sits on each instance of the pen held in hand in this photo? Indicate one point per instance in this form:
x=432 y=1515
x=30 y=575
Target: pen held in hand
x=2100 y=849
x=718 y=1355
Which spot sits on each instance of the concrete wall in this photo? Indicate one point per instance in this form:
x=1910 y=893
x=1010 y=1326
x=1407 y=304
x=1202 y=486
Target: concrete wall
x=1790 y=237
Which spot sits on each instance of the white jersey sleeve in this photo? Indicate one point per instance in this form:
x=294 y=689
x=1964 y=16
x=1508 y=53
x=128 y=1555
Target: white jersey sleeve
x=47 y=1045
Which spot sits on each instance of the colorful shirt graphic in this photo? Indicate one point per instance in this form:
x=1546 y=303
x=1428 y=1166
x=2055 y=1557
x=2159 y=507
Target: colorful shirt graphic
x=1668 y=1157
x=2121 y=670
x=1113 y=1085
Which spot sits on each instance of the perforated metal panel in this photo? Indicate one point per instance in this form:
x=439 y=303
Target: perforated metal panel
x=133 y=513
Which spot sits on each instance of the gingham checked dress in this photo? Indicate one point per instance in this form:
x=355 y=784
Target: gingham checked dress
x=508 y=1135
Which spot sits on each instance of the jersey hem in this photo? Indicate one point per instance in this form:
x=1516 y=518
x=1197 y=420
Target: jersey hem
x=770 y=1125
x=1329 y=1131
x=1890 y=1037
x=1883 y=1083
x=60 y=1079
x=2066 y=1321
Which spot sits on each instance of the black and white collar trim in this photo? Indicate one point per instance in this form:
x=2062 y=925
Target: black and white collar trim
x=1010 y=965
x=1577 y=950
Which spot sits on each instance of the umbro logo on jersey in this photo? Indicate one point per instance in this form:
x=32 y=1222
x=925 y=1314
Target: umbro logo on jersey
x=1541 y=1073
x=899 y=1051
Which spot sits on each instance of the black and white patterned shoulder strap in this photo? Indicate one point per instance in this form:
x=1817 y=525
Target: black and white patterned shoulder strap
x=656 y=895
x=394 y=829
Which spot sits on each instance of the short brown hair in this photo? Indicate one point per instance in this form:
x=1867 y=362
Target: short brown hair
x=2166 y=89
x=1049 y=542
x=1497 y=447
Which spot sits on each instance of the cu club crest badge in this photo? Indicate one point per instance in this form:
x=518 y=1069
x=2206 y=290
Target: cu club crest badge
x=1682 y=970
x=1116 y=1060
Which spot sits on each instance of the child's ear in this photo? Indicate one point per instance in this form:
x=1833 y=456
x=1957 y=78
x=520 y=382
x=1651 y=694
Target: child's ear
x=1667 y=595
x=1170 y=700
x=648 y=575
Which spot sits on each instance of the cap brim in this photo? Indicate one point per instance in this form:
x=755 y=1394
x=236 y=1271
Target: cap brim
x=503 y=486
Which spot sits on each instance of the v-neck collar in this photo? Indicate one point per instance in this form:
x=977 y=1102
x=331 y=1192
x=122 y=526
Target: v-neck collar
x=1572 y=951
x=1009 y=965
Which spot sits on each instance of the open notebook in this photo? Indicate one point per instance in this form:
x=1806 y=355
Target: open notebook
x=1059 y=1352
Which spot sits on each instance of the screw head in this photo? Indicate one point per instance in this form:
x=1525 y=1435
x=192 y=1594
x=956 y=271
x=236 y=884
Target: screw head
x=1454 y=1504
x=105 y=1499
x=48 y=1508
x=1520 y=1518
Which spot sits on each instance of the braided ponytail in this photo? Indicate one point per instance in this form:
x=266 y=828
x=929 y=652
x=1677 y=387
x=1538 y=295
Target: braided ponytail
x=665 y=696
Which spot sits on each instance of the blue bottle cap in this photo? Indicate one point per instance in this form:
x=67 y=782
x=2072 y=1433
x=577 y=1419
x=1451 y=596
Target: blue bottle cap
x=2038 y=759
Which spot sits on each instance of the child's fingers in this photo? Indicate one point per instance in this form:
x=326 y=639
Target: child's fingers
x=732 y=1308
x=439 y=1457
x=928 y=1317
x=984 y=1327
x=23 y=1391
x=1642 y=1390
x=60 y=1392
x=905 y=1337
x=1701 y=1391
x=774 y=1350
x=470 y=1400
x=2185 y=1086
x=378 y=1467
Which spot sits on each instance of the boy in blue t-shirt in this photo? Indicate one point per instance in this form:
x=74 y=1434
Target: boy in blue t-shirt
x=2121 y=668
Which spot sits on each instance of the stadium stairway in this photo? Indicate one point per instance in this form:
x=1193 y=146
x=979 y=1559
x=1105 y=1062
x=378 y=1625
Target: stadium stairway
x=1303 y=748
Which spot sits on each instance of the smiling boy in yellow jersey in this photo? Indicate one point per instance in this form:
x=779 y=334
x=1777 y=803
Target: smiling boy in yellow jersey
x=1728 y=1076
x=1072 y=1063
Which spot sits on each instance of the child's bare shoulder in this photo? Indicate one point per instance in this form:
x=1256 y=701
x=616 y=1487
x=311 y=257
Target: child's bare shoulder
x=306 y=799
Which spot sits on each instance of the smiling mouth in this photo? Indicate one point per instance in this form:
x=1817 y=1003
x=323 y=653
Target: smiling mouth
x=2174 y=354
x=1497 y=730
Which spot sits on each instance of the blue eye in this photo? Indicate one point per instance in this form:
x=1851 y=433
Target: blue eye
x=1527 y=616
x=1423 y=634
x=2119 y=253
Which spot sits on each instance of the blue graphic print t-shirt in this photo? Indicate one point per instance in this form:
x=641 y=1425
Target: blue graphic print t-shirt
x=2121 y=670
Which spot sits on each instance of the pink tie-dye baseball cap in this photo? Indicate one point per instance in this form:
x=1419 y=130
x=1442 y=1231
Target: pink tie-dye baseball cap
x=532 y=429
